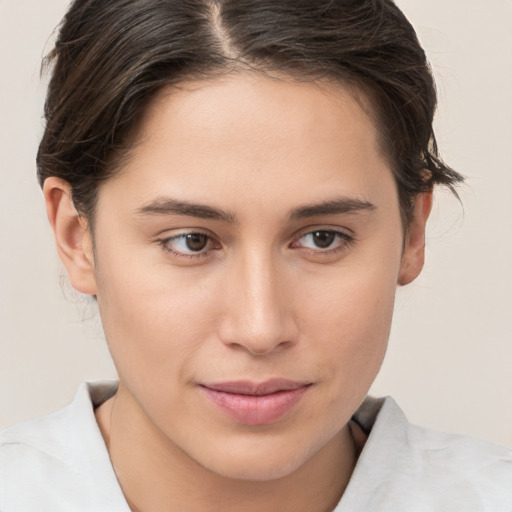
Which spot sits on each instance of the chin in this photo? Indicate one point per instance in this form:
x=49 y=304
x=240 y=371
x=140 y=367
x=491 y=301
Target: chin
x=257 y=472
x=257 y=464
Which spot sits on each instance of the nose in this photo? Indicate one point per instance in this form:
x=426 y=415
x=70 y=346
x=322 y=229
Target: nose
x=257 y=315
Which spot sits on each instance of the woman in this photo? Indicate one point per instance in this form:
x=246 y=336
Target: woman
x=242 y=186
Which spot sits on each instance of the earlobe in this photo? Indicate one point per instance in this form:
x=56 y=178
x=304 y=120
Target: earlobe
x=413 y=256
x=72 y=235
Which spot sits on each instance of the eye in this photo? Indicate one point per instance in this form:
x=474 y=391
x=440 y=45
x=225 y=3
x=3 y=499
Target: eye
x=188 y=244
x=323 y=241
x=319 y=239
x=194 y=242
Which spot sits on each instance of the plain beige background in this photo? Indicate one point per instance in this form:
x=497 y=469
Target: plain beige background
x=449 y=364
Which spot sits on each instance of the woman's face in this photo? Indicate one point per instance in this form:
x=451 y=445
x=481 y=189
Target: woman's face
x=246 y=260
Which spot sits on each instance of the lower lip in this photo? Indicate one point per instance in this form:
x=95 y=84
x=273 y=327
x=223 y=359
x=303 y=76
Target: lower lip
x=256 y=410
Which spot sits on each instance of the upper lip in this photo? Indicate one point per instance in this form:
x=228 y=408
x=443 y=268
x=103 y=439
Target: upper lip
x=246 y=387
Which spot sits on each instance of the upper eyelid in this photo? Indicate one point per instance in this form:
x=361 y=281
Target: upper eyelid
x=184 y=234
x=176 y=232
x=341 y=231
x=342 y=234
x=346 y=232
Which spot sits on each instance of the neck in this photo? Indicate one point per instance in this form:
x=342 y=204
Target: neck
x=153 y=471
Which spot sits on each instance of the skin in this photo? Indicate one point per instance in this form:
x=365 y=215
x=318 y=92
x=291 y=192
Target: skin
x=263 y=300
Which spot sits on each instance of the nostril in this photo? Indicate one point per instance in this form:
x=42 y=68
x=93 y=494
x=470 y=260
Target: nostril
x=258 y=339
x=259 y=346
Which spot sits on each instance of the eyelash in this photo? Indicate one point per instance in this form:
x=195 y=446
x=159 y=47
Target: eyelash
x=164 y=243
x=344 y=242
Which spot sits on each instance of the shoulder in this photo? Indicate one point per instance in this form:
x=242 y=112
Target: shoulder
x=59 y=436
x=58 y=461
x=463 y=466
x=404 y=464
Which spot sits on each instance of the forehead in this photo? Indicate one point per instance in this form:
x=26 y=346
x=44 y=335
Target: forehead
x=259 y=133
x=270 y=101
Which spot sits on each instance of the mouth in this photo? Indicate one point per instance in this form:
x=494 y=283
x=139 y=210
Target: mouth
x=252 y=403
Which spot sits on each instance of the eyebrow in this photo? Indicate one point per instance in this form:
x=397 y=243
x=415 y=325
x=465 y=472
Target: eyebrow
x=332 y=207
x=170 y=206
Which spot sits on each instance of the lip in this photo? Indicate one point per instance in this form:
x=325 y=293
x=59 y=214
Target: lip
x=252 y=403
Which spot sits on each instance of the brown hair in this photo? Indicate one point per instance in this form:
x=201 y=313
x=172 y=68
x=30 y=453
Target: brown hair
x=112 y=57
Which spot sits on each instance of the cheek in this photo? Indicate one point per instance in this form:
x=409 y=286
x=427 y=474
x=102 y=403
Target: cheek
x=155 y=319
x=347 y=321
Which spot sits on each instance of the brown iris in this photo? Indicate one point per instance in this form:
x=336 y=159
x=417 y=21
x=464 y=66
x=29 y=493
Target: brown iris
x=323 y=239
x=196 y=241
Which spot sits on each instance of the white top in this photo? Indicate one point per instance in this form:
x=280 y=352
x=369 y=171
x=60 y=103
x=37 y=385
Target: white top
x=60 y=463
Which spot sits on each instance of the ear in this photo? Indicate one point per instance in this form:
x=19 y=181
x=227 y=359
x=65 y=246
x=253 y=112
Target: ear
x=72 y=235
x=413 y=256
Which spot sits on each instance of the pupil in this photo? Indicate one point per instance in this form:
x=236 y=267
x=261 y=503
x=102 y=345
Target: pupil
x=323 y=239
x=196 y=241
